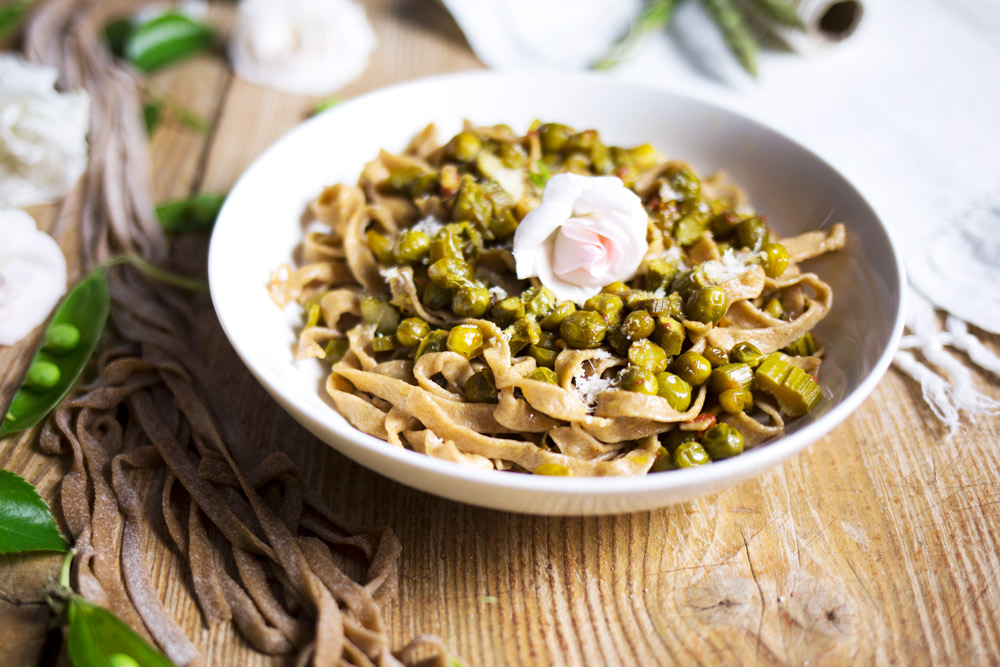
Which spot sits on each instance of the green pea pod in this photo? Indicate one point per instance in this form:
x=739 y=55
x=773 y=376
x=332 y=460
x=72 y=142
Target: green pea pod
x=86 y=308
x=98 y=638
x=192 y=214
x=166 y=39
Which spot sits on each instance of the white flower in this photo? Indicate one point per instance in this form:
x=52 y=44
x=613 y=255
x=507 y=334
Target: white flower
x=43 y=134
x=32 y=275
x=588 y=232
x=307 y=47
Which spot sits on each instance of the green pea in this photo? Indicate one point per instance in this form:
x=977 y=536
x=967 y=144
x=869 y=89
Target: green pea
x=544 y=375
x=522 y=332
x=689 y=282
x=582 y=141
x=554 y=136
x=465 y=146
x=472 y=204
x=617 y=287
x=638 y=324
x=411 y=331
x=707 y=305
x=335 y=350
x=722 y=441
x=684 y=182
x=424 y=186
x=554 y=469
x=380 y=246
x=505 y=311
x=774 y=308
x=730 y=376
x=470 y=301
x=449 y=272
x=436 y=297
x=446 y=245
x=691 y=454
x=752 y=233
x=435 y=341
x=735 y=401
x=62 y=338
x=543 y=356
x=724 y=225
x=556 y=316
x=643 y=156
x=663 y=461
x=716 y=356
x=670 y=335
x=647 y=354
x=693 y=368
x=675 y=390
x=466 y=340
x=609 y=306
x=618 y=341
x=676 y=438
x=538 y=301
x=400 y=180
x=774 y=259
x=638 y=380
x=583 y=329
x=480 y=388
x=380 y=313
x=600 y=158
x=411 y=247
x=746 y=353
x=384 y=343
x=42 y=375
x=504 y=223
x=512 y=155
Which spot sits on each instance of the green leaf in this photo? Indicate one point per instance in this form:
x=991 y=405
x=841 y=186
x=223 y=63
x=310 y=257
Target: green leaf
x=86 y=308
x=196 y=213
x=25 y=521
x=11 y=16
x=151 y=115
x=327 y=103
x=98 y=638
x=116 y=34
x=542 y=176
x=166 y=39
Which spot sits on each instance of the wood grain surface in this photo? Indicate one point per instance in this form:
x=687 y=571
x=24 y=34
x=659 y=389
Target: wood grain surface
x=879 y=544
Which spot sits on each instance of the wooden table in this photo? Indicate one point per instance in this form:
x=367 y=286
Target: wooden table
x=877 y=544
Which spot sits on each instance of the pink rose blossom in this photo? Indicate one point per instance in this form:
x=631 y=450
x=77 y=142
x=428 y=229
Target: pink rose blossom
x=588 y=232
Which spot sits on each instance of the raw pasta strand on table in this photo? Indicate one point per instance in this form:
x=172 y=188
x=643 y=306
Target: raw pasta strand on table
x=152 y=413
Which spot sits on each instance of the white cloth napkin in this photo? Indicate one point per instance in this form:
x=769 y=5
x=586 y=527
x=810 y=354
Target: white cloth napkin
x=908 y=108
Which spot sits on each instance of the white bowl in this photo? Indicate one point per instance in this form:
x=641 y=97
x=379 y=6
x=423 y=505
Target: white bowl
x=260 y=226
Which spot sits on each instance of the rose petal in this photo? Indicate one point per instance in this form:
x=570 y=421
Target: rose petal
x=564 y=291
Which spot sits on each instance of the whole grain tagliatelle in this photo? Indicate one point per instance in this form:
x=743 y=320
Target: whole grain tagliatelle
x=410 y=294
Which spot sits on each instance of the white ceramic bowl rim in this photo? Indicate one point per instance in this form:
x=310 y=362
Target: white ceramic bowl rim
x=759 y=458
